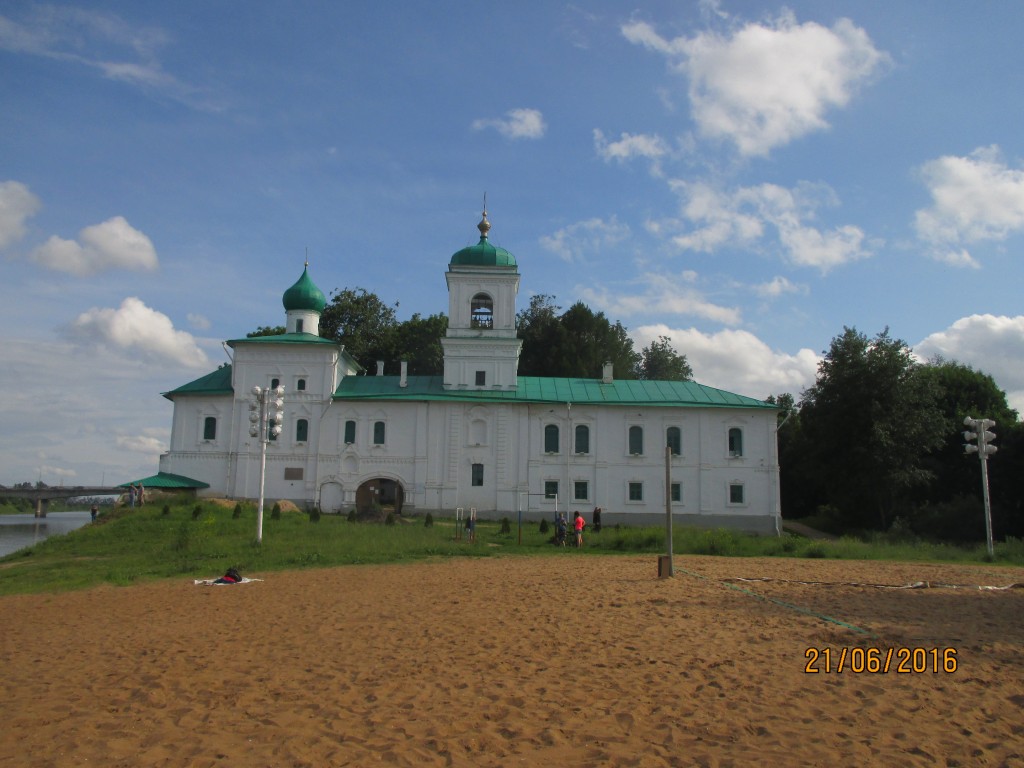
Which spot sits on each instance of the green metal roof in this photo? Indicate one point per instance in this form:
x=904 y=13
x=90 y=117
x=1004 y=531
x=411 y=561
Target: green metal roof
x=168 y=481
x=304 y=295
x=534 y=389
x=483 y=254
x=216 y=383
x=284 y=338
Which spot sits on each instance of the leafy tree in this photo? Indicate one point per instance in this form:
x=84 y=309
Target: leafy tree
x=362 y=322
x=418 y=341
x=266 y=330
x=870 y=418
x=660 y=362
x=575 y=343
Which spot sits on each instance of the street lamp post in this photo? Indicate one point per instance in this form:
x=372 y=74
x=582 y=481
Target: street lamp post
x=266 y=419
x=979 y=428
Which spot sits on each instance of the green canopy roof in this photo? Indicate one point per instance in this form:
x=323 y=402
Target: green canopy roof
x=167 y=481
x=216 y=383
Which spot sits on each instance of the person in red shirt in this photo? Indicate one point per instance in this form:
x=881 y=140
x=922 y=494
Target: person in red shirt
x=578 y=524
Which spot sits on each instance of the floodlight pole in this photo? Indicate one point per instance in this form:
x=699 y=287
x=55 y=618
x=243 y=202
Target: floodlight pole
x=668 y=507
x=978 y=429
x=266 y=419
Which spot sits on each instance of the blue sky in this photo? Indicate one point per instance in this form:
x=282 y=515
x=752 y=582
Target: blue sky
x=746 y=178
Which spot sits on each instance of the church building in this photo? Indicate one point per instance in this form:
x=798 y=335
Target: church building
x=479 y=436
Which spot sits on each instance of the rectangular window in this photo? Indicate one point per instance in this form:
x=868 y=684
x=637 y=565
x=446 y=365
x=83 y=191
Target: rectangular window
x=550 y=489
x=478 y=474
x=293 y=473
x=580 y=490
x=298 y=326
x=677 y=492
x=735 y=493
x=378 y=433
x=636 y=440
x=210 y=428
x=582 y=439
x=350 y=432
x=735 y=442
x=302 y=430
x=481 y=378
x=636 y=491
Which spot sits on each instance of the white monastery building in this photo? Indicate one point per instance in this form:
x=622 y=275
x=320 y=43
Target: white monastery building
x=480 y=436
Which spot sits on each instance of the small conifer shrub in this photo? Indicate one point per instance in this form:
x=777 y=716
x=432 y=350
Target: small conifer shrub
x=390 y=519
x=428 y=521
x=314 y=515
x=275 y=513
x=543 y=525
x=352 y=515
x=506 y=526
x=197 y=511
x=237 y=513
x=166 y=510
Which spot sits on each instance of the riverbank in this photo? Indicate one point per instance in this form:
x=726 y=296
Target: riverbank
x=525 y=661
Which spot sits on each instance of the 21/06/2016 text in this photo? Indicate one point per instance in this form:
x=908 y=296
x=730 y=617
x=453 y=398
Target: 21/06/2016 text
x=904 y=661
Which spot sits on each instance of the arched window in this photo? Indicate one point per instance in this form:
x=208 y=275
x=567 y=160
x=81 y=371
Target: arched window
x=275 y=383
x=582 y=438
x=350 y=432
x=551 y=438
x=210 y=428
x=300 y=385
x=301 y=431
x=298 y=326
x=636 y=440
x=674 y=440
x=735 y=442
x=378 y=433
x=481 y=310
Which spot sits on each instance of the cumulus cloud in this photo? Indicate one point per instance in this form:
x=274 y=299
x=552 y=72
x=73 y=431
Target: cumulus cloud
x=136 y=329
x=17 y=205
x=766 y=84
x=199 y=322
x=141 y=444
x=974 y=198
x=741 y=218
x=578 y=241
x=661 y=294
x=516 y=124
x=736 y=360
x=990 y=343
x=629 y=146
x=114 y=244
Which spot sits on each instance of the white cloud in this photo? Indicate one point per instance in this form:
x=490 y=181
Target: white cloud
x=661 y=294
x=584 y=238
x=114 y=244
x=142 y=444
x=778 y=286
x=102 y=42
x=974 y=198
x=136 y=329
x=517 y=124
x=767 y=83
x=740 y=218
x=199 y=322
x=652 y=148
x=993 y=344
x=736 y=361
x=17 y=204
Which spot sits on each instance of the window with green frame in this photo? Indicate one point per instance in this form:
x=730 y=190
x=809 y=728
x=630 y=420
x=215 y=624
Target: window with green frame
x=677 y=492
x=581 y=490
x=378 y=433
x=350 y=432
x=636 y=440
x=210 y=428
x=301 y=431
x=551 y=438
x=674 y=440
x=550 y=489
x=636 y=491
x=582 y=438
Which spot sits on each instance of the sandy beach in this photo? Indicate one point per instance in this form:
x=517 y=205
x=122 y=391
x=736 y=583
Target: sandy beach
x=568 y=660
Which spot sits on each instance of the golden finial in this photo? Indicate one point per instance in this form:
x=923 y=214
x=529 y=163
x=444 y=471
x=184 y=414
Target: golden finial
x=484 y=226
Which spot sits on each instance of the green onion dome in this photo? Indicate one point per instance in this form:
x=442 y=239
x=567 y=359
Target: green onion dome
x=483 y=254
x=304 y=295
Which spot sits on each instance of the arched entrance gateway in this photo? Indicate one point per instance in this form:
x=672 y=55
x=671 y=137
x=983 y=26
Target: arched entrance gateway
x=379 y=495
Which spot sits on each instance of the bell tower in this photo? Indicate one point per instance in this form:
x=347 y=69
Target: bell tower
x=481 y=349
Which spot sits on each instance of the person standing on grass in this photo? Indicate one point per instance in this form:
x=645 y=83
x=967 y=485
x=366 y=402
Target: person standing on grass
x=131 y=495
x=471 y=526
x=578 y=524
x=94 y=511
x=142 y=495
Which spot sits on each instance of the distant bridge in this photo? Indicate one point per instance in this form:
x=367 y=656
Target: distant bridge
x=42 y=496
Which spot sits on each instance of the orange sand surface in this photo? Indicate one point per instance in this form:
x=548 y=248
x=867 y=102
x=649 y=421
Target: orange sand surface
x=568 y=660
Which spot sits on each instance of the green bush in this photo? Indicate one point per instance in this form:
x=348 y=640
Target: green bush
x=167 y=510
x=314 y=515
x=352 y=516
x=237 y=513
x=506 y=526
x=197 y=511
x=275 y=513
x=543 y=525
x=428 y=521
x=390 y=519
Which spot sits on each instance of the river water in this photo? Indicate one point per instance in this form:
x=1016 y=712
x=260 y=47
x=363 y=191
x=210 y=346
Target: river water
x=20 y=531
